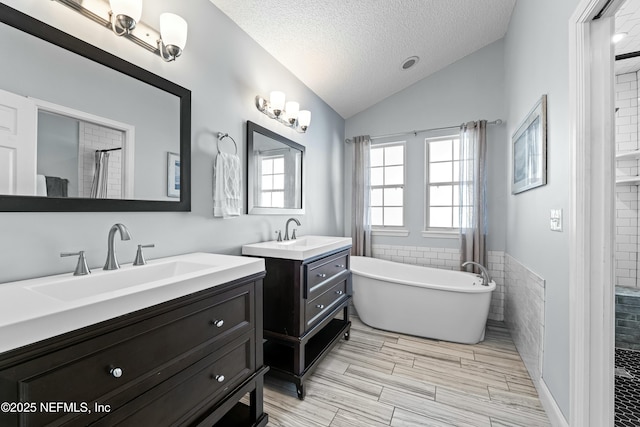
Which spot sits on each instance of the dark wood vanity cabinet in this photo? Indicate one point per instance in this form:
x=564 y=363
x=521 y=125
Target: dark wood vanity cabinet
x=184 y=362
x=306 y=312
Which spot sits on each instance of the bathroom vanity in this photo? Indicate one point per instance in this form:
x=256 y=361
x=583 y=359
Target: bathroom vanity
x=186 y=356
x=307 y=290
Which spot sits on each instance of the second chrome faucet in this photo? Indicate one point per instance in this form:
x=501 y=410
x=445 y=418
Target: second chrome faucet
x=286 y=229
x=112 y=260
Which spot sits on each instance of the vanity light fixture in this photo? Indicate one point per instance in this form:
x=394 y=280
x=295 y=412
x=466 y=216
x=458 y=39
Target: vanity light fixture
x=123 y=18
x=288 y=113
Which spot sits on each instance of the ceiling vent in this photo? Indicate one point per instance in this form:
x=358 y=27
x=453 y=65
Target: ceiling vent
x=409 y=62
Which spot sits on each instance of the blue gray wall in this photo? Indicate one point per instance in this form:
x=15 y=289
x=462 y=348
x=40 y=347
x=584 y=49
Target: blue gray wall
x=536 y=58
x=225 y=70
x=470 y=89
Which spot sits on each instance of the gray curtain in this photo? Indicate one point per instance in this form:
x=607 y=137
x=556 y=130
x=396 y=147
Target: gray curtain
x=473 y=188
x=360 y=216
x=100 y=175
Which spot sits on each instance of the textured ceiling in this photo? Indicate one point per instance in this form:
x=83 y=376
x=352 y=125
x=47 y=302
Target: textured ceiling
x=628 y=21
x=349 y=52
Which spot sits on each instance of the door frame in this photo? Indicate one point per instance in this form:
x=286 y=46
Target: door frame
x=591 y=280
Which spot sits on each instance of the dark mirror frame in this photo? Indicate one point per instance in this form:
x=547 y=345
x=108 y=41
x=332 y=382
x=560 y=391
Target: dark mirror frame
x=256 y=210
x=30 y=25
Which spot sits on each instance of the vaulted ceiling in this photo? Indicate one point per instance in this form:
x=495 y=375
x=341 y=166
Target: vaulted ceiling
x=350 y=52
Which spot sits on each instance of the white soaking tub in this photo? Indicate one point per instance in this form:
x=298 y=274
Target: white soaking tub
x=421 y=301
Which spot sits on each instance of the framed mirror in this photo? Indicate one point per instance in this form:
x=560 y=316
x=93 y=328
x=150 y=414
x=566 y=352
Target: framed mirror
x=84 y=130
x=275 y=173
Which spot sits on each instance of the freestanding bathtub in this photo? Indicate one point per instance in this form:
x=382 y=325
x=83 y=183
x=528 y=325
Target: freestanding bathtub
x=422 y=301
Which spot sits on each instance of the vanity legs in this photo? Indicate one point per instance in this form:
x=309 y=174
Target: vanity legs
x=295 y=358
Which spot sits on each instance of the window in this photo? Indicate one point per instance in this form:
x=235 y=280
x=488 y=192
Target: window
x=272 y=175
x=443 y=183
x=387 y=185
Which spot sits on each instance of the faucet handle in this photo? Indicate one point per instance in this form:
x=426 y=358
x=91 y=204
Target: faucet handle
x=140 y=256
x=293 y=235
x=82 y=269
x=279 y=233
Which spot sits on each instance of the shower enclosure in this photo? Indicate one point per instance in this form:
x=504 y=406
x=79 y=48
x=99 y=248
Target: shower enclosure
x=627 y=259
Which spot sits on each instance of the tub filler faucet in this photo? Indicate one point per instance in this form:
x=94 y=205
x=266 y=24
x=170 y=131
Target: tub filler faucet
x=112 y=261
x=483 y=272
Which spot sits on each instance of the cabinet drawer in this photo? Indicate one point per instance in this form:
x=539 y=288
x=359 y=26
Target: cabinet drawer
x=319 y=274
x=146 y=353
x=315 y=310
x=184 y=397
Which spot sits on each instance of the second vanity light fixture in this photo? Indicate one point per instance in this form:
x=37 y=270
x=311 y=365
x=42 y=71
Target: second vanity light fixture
x=289 y=113
x=124 y=16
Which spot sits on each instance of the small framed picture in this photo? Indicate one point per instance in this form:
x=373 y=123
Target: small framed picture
x=529 y=163
x=173 y=174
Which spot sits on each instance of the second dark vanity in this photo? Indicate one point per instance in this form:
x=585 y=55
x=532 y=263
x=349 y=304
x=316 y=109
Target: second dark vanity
x=306 y=312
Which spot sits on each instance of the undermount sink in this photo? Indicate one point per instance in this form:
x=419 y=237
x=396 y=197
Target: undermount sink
x=73 y=287
x=304 y=247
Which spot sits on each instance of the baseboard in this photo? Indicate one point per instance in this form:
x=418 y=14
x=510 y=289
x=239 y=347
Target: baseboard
x=556 y=418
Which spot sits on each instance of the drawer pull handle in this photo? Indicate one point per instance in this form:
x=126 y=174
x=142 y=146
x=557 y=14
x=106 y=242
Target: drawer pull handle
x=219 y=378
x=340 y=265
x=116 y=372
x=320 y=306
x=322 y=275
x=218 y=323
x=339 y=292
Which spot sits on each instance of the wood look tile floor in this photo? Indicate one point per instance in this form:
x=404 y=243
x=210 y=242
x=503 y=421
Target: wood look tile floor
x=380 y=378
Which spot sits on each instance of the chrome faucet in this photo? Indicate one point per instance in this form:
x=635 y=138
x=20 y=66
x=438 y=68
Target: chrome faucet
x=484 y=272
x=112 y=261
x=286 y=229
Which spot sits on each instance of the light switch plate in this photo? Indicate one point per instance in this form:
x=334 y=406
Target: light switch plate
x=556 y=220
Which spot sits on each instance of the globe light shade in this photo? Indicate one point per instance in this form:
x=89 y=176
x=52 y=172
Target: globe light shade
x=276 y=99
x=173 y=30
x=292 y=109
x=304 y=119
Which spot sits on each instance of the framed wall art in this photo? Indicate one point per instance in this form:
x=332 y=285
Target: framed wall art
x=529 y=162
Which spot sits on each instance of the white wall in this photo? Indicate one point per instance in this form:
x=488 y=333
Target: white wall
x=470 y=89
x=536 y=59
x=225 y=70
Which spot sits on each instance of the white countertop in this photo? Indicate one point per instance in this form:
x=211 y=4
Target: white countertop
x=302 y=248
x=28 y=314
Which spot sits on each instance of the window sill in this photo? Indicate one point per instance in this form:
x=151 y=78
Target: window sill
x=398 y=232
x=441 y=234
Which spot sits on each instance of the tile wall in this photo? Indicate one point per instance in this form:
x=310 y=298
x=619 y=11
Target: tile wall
x=627 y=318
x=626 y=138
x=524 y=313
x=94 y=137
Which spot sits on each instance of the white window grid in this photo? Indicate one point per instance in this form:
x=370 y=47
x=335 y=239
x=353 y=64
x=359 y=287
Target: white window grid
x=454 y=183
x=383 y=187
x=272 y=194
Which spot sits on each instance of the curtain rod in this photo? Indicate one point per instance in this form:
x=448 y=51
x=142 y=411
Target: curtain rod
x=416 y=132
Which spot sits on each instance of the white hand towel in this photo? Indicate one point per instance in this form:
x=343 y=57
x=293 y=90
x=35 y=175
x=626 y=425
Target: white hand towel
x=227 y=186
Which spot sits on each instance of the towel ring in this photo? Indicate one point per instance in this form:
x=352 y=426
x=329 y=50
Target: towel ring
x=222 y=136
